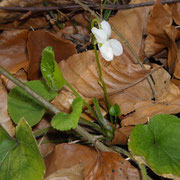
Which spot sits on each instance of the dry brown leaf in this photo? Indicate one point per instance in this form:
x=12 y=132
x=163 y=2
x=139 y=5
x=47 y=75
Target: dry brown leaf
x=152 y=46
x=175 y=10
x=168 y=103
x=162 y=34
x=158 y=20
x=121 y=135
x=112 y=166
x=81 y=72
x=70 y=155
x=13 y=55
x=104 y=165
x=157 y=23
x=37 y=41
x=5 y=120
x=63 y=101
x=72 y=173
x=132 y=25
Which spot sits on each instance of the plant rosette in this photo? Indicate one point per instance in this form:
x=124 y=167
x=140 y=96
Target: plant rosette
x=157 y=145
x=108 y=47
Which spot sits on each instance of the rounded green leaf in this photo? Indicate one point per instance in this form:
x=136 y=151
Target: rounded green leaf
x=115 y=110
x=158 y=143
x=22 y=159
x=50 y=70
x=21 y=104
x=65 y=122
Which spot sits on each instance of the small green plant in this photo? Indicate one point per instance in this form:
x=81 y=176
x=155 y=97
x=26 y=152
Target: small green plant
x=21 y=104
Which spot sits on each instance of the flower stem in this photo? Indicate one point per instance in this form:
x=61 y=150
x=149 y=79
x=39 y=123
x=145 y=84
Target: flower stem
x=102 y=81
x=99 y=67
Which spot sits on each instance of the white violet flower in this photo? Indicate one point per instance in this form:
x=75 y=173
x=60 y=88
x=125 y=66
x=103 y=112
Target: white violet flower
x=108 y=47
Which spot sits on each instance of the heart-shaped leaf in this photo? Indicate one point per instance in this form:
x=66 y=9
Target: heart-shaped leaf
x=20 y=159
x=65 y=122
x=21 y=104
x=158 y=143
x=50 y=70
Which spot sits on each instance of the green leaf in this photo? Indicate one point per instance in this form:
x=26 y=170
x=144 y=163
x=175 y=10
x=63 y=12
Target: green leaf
x=21 y=104
x=65 y=122
x=20 y=159
x=115 y=110
x=50 y=70
x=158 y=143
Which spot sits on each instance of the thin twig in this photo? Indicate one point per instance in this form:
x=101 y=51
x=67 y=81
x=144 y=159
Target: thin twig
x=53 y=109
x=92 y=6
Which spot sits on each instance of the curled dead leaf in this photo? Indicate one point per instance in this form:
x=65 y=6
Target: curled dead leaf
x=97 y=165
x=175 y=10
